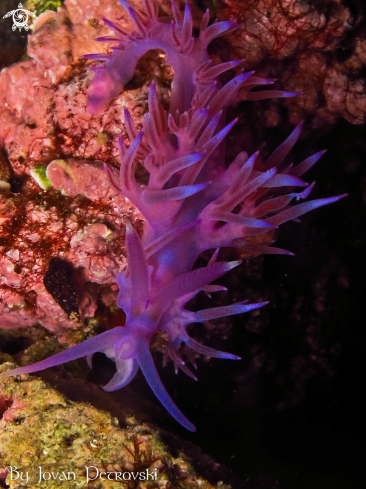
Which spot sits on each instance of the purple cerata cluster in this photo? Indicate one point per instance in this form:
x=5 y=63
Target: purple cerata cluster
x=191 y=199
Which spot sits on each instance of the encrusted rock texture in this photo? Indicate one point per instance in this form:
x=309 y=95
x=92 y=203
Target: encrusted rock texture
x=43 y=118
x=316 y=48
x=40 y=427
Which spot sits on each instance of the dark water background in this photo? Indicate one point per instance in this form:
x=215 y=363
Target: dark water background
x=299 y=417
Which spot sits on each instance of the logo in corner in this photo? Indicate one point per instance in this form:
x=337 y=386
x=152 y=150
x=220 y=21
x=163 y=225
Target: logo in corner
x=20 y=17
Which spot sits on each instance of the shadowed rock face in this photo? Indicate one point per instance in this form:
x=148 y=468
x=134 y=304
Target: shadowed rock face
x=318 y=48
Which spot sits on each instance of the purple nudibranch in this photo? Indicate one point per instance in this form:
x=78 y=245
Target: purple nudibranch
x=192 y=202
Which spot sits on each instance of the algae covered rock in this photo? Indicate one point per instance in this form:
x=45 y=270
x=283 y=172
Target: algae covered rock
x=48 y=441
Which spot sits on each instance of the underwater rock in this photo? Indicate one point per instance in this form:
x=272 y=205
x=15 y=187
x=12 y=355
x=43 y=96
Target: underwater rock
x=39 y=226
x=59 y=443
x=317 y=48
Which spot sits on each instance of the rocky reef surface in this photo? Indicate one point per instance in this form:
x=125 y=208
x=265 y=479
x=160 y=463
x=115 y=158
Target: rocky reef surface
x=49 y=441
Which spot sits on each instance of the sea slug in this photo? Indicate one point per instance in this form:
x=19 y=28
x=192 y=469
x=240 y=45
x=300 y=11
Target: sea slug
x=192 y=201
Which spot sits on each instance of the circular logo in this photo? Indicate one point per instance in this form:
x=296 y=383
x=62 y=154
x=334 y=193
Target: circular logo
x=20 y=19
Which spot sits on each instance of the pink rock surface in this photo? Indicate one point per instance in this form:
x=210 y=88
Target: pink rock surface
x=86 y=231
x=302 y=44
x=43 y=117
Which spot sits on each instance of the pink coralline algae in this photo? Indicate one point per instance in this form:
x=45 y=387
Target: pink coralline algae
x=192 y=199
x=83 y=231
x=309 y=47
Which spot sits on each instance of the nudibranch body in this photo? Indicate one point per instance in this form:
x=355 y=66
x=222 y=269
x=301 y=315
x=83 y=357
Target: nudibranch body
x=193 y=201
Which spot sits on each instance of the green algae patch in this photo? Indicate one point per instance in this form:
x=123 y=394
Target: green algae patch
x=40 y=6
x=38 y=173
x=57 y=443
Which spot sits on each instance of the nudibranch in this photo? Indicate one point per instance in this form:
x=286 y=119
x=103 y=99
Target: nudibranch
x=193 y=201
